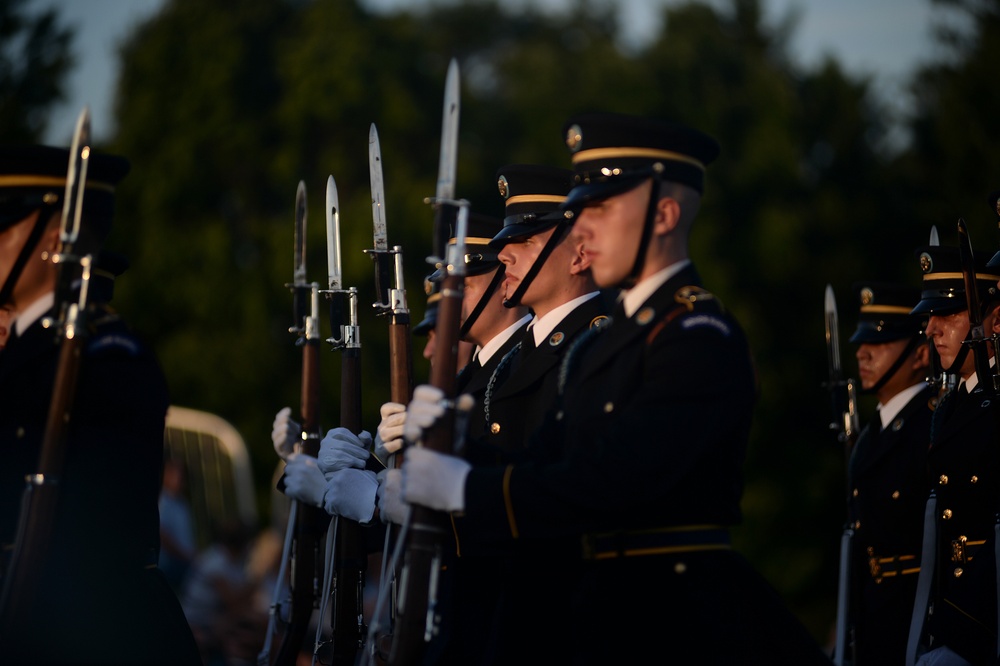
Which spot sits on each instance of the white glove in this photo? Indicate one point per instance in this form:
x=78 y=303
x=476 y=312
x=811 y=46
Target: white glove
x=285 y=433
x=389 y=435
x=351 y=493
x=391 y=507
x=342 y=449
x=426 y=407
x=303 y=479
x=433 y=479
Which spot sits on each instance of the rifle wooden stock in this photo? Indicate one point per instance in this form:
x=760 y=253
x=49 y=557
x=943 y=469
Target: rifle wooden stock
x=351 y=554
x=41 y=494
x=310 y=523
x=400 y=361
x=416 y=611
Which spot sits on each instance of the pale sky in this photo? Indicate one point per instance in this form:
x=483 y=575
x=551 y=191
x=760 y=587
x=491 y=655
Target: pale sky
x=885 y=38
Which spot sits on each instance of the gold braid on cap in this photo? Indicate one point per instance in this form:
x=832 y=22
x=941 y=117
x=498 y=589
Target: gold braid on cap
x=49 y=181
x=595 y=154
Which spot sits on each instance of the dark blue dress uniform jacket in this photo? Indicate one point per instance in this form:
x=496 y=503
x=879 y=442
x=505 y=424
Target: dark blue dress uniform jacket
x=964 y=471
x=102 y=600
x=654 y=428
x=492 y=582
x=888 y=492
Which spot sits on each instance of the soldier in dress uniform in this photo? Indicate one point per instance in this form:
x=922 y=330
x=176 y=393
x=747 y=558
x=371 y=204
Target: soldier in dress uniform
x=887 y=480
x=955 y=614
x=653 y=423
x=101 y=599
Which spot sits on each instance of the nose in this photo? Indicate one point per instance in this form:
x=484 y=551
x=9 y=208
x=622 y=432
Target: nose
x=505 y=257
x=933 y=328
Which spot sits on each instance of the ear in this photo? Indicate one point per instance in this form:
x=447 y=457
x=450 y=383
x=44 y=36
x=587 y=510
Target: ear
x=580 y=261
x=995 y=318
x=922 y=356
x=668 y=215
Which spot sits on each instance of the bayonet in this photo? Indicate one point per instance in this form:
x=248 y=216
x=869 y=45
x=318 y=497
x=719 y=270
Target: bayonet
x=299 y=286
x=380 y=248
x=335 y=271
x=444 y=193
x=977 y=332
x=843 y=391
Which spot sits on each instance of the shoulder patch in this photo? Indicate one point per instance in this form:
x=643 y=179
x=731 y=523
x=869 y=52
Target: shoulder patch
x=706 y=320
x=114 y=342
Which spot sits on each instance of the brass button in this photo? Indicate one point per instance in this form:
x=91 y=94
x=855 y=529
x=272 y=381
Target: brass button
x=943 y=479
x=495 y=428
x=680 y=568
x=974 y=479
x=609 y=407
x=946 y=514
x=958 y=572
x=857 y=524
x=855 y=493
x=895 y=494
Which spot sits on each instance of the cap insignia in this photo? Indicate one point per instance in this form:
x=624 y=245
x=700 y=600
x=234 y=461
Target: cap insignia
x=926 y=263
x=599 y=322
x=556 y=339
x=867 y=296
x=574 y=138
x=503 y=187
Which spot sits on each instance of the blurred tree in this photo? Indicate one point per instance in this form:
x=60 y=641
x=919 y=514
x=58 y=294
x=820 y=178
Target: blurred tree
x=953 y=161
x=34 y=60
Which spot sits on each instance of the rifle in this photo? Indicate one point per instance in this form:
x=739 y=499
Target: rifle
x=843 y=396
x=350 y=553
x=977 y=333
x=417 y=614
x=391 y=302
x=41 y=492
x=306 y=523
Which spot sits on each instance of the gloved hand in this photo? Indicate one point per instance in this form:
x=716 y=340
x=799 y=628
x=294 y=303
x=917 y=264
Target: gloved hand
x=342 y=449
x=391 y=507
x=389 y=435
x=426 y=407
x=303 y=479
x=433 y=479
x=351 y=493
x=285 y=433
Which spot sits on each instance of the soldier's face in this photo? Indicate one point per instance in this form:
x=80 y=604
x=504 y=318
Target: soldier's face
x=38 y=275
x=610 y=230
x=946 y=333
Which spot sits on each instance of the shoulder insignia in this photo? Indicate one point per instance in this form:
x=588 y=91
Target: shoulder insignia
x=599 y=321
x=688 y=296
x=556 y=339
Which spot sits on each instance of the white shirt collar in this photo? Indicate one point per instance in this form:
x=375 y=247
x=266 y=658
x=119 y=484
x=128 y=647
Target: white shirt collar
x=541 y=327
x=486 y=351
x=637 y=295
x=888 y=412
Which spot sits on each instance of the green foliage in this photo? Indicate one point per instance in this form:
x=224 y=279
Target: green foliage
x=224 y=107
x=34 y=60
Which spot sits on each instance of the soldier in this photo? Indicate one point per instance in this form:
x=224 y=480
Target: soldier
x=653 y=424
x=955 y=613
x=101 y=598
x=887 y=474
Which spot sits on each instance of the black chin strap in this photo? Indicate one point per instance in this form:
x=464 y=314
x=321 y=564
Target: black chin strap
x=647 y=233
x=483 y=300
x=550 y=244
x=894 y=368
x=29 y=247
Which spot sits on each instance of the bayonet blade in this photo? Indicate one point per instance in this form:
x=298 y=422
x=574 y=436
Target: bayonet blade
x=299 y=264
x=378 y=191
x=76 y=180
x=832 y=335
x=449 y=135
x=333 y=234
x=934 y=236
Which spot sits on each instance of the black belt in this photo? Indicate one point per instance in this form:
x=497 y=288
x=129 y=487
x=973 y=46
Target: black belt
x=659 y=541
